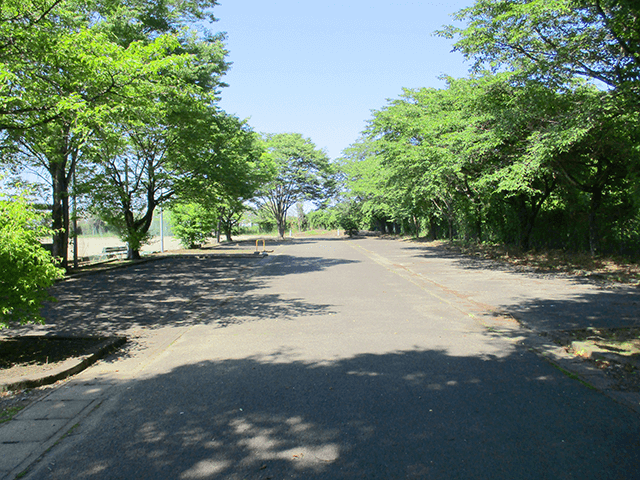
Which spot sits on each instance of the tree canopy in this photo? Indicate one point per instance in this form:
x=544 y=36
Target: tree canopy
x=539 y=146
x=555 y=41
x=72 y=69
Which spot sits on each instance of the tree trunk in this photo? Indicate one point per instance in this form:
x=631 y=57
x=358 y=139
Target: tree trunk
x=433 y=228
x=60 y=211
x=594 y=237
x=281 y=228
x=228 y=227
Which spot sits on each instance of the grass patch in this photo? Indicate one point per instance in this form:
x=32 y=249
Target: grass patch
x=9 y=413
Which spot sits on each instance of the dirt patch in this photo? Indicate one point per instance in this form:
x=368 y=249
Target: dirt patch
x=615 y=351
x=23 y=356
x=602 y=270
x=34 y=356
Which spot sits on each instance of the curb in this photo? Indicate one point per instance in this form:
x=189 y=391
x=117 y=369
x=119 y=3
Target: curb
x=67 y=368
x=108 y=268
x=578 y=367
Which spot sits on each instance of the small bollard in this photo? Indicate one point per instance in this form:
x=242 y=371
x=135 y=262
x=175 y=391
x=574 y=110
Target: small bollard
x=264 y=248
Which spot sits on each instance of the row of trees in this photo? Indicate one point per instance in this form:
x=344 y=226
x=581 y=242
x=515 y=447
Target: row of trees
x=115 y=105
x=103 y=95
x=540 y=146
x=296 y=170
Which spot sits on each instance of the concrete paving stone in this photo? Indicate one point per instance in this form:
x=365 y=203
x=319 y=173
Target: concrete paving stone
x=30 y=430
x=12 y=454
x=52 y=409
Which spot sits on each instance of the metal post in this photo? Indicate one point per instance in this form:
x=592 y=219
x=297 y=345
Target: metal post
x=161 y=231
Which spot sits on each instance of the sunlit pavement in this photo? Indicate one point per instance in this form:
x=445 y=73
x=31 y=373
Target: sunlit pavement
x=333 y=359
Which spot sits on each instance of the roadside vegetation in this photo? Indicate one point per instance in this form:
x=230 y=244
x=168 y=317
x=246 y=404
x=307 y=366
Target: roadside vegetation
x=539 y=148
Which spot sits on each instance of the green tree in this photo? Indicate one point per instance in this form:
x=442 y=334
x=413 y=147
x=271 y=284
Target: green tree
x=323 y=218
x=26 y=268
x=225 y=166
x=555 y=41
x=436 y=144
x=156 y=144
x=74 y=64
x=592 y=146
x=135 y=171
x=303 y=172
x=366 y=181
x=554 y=44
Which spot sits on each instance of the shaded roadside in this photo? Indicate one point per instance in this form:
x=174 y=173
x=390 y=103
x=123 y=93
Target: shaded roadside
x=408 y=414
x=568 y=315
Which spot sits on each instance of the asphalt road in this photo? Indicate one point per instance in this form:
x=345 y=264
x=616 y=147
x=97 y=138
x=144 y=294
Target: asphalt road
x=344 y=359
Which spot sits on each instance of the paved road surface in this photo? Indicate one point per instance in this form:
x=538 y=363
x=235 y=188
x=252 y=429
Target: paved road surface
x=343 y=359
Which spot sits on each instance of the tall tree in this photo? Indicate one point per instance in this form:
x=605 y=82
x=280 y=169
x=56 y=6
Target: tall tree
x=134 y=173
x=591 y=145
x=366 y=181
x=303 y=172
x=555 y=44
x=555 y=41
x=73 y=63
x=225 y=166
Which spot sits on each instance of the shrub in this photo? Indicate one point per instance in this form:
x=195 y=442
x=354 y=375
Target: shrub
x=193 y=224
x=26 y=268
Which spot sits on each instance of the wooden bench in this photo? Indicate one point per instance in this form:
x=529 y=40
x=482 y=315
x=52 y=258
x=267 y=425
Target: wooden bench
x=112 y=251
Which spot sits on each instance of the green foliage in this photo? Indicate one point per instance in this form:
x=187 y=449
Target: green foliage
x=348 y=218
x=71 y=68
x=26 y=268
x=193 y=224
x=555 y=41
x=266 y=223
x=495 y=159
x=323 y=218
x=222 y=159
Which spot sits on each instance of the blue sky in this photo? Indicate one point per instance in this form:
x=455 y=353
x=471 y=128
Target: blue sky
x=319 y=68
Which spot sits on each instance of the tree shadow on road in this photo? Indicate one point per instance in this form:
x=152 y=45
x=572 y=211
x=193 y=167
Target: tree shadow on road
x=603 y=309
x=177 y=291
x=407 y=414
x=570 y=308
